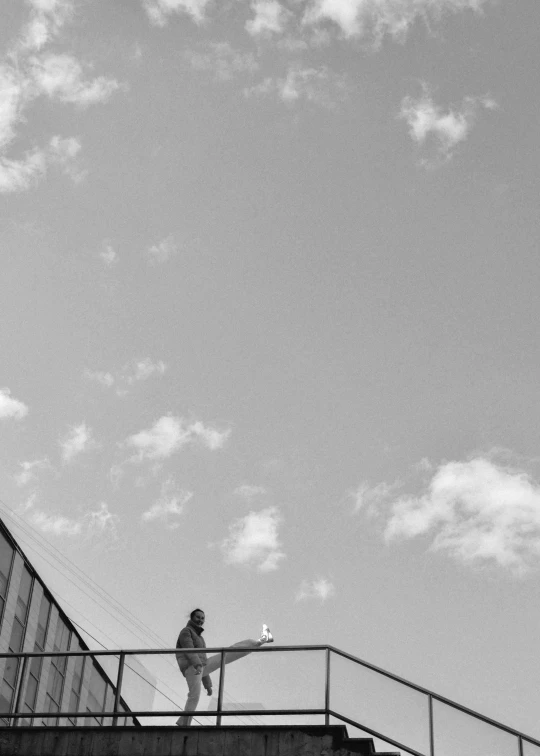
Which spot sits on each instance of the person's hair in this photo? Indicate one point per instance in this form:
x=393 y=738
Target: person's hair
x=193 y=612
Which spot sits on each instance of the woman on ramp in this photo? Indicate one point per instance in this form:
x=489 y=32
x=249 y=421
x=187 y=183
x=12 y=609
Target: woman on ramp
x=196 y=668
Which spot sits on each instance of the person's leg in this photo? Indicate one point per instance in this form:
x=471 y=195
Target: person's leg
x=214 y=662
x=194 y=693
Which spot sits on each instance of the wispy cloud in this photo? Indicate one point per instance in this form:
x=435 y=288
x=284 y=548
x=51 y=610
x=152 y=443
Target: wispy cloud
x=30 y=469
x=355 y=18
x=159 y=253
x=223 y=61
x=368 y=497
x=159 y=10
x=169 y=434
x=132 y=373
x=446 y=128
x=28 y=73
x=253 y=540
x=315 y=85
x=78 y=440
x=249 y=492
x=169 y=506
x=61 y=77
x=108 y=254
x=477 y=511
x=100 y=523
x=320 y=589
x=270 y=17
x=11 y=407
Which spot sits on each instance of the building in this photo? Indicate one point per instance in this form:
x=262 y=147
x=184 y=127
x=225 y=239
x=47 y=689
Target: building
x=32 y=620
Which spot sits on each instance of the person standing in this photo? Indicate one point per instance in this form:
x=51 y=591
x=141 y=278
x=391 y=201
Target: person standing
x=196 y=668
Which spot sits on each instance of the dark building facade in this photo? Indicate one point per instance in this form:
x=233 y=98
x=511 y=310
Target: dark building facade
x=32 y=620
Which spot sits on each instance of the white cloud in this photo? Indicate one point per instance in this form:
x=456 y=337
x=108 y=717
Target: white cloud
x=477 y=511
x=79 y=439
x=447 y=128
x=30 y=469
x=170 y=504
x=100 y=524
x=20 y=175
x=163 y=251
x=321 y=589
x=270 y=18
x=169 y=434
x=370 y=497
x=380 y=17
x=316 y=85
x=10 y=407
x=144 y=369
x=223 y=61
x=46 y=21
x=100 y=376
x=159 y=10
x=210 y=437
x=254 y=540
x=108 y=254
x=61 y=77
x=249 y=492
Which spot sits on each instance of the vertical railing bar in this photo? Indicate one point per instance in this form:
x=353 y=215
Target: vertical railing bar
x=327 y=690
x=431 y=728
x=118 y=692
x=19 y=691
x=520 y=742
x=220 y=689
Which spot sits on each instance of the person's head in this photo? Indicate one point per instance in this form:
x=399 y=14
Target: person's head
x=197 y=617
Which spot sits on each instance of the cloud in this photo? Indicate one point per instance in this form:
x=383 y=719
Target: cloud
x=28 y=74
x=369 y=497
x=169 y=434
x=100 y=524
x=10 y=407
x=476 y=511
x=356 y=18
x=131 y=373
x=61 y=77
x=159 y=10
x=320 y=589
x=161 y=252
x=253 y=540
x=170 y=504
x=447 y=129
x=223 y=61
x=108 y=254
x=79 y=439
x=270 y=18
x=144 y=369
x=316 y=85
x=29 y=470
x=249 y=492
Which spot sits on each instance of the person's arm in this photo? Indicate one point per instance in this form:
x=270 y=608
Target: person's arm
x=186 y=641
x=207 y=682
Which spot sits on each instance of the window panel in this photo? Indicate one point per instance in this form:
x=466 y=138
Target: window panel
x=6 y=555
x=24 y=595
x=10 y=671
x=17 y=633
x=43 y=620
x=31 y=693
x=6 y=698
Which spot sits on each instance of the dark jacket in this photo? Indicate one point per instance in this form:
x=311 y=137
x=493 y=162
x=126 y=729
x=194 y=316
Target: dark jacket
x=191 y=637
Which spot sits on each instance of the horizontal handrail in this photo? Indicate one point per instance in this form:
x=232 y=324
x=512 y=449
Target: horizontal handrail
x=263 y=649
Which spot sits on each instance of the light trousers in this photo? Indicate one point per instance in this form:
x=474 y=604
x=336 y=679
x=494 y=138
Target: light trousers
x=195 y=681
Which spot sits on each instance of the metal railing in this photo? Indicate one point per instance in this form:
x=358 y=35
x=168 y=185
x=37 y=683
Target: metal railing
x=326 y=711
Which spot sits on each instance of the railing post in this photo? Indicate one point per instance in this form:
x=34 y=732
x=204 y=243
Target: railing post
x=327 y=690
x=19 y=691
x=431 y=728
x=220 y=689
x=118 y=691
x=520 y=743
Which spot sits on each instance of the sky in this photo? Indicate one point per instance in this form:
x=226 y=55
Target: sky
x=269 y=325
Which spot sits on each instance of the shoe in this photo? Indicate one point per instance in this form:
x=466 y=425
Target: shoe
x=266 y=635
